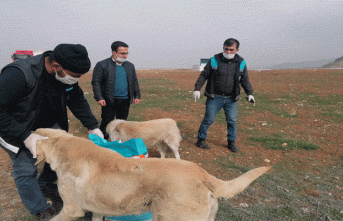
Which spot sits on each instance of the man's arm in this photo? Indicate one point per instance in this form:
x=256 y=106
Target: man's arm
x=97 y=80
x=245 y=82
x=137 y=92
x=203 y=76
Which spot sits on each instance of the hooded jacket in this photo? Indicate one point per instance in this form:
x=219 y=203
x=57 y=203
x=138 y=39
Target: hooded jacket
x=21 y=116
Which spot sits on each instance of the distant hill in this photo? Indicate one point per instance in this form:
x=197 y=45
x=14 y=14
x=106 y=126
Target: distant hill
x=338 y=63
x=305 y=64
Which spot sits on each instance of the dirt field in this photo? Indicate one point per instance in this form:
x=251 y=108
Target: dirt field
x=293 y=104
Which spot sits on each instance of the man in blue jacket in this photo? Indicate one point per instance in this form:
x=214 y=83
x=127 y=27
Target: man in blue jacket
x=224 y=73
x=115 y=85
x=35 y=93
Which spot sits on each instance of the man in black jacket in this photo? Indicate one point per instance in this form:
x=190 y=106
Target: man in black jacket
x=115 y=85
x=224 y=73
x=35 y=93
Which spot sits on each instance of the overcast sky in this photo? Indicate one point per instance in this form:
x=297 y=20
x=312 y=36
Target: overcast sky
x=177 y=33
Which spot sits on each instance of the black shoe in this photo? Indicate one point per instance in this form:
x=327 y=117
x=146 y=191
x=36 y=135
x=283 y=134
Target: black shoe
x=46 y=215
x=232 y=146
x=51 y=193
x=202 y=144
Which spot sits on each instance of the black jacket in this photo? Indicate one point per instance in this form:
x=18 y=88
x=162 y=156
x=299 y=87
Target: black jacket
x=104 y=76
x=26 y=111
x=210 y=75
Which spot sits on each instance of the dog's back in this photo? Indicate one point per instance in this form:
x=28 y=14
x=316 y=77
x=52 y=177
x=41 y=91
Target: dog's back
x=99 y=180
x=162 y=133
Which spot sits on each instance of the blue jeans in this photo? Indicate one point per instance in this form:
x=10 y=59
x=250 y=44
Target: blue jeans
x=213 y=106
x=25 y=178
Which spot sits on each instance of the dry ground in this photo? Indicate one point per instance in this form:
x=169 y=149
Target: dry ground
x=309 y=125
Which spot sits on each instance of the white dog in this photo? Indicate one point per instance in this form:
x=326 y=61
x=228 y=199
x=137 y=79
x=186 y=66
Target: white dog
x=162 y=133
x=99 y=180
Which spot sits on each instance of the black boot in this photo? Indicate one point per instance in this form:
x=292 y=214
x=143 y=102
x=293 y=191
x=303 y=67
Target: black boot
x=46 y=215
x=232 y=146
x=202 y=144
x=51 y=192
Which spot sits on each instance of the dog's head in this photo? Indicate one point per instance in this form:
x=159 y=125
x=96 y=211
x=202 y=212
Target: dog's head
x=43 y=144
x=112 y=130
x=46 y=132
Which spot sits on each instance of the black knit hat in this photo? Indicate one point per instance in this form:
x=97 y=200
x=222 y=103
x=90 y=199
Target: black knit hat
x=72 y=57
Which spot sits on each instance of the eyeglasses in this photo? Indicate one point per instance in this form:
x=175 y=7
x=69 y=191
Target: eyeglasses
x=124 y=53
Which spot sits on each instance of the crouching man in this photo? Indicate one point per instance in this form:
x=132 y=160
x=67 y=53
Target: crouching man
x=35 y=93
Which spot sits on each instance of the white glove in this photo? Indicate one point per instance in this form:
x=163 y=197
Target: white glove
x=31 y=143
x=196 y=95
x=251 y=99
x=98 y=132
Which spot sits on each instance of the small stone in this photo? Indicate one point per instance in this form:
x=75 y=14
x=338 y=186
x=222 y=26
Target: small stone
x=244 y=205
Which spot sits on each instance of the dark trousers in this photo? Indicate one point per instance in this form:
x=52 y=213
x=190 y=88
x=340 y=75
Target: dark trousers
x=119 y=110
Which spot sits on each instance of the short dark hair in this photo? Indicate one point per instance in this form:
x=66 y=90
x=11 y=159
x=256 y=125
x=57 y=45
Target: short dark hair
x=231 y=41
x=115 y=45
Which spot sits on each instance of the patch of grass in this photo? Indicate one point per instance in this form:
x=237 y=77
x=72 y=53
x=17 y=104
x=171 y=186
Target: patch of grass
x=330 y=106
x=289 y=194
x=279 y=143
x=227 y=164
x=163 y=94
x=338 y=116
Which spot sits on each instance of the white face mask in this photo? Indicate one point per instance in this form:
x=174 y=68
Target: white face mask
x=228 y=56
x=120 y=60
x=67 y=78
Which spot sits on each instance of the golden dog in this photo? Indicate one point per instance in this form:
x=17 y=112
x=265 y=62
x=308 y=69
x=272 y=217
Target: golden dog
x=162 y=133
x=96 y=179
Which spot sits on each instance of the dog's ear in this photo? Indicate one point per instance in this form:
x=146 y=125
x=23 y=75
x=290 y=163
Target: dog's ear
x=40 y=153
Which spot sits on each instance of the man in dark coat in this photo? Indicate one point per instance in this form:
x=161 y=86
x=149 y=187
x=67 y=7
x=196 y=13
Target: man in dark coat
x=115 y=85
x=225 y=73
x=35 y=93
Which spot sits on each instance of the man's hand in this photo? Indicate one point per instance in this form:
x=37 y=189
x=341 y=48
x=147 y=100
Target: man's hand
x=102 y=102
x=196 y=95
x=98 y=132
x=31 y=143
x=251 y=99
x=136 y=101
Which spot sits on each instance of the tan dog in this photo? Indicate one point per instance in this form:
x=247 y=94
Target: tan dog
x=162 y=133
x=96 y=179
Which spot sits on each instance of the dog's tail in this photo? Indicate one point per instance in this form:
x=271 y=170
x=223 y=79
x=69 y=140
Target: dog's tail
x=228 y=189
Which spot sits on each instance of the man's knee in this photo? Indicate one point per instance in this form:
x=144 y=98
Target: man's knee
x=24 y=169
